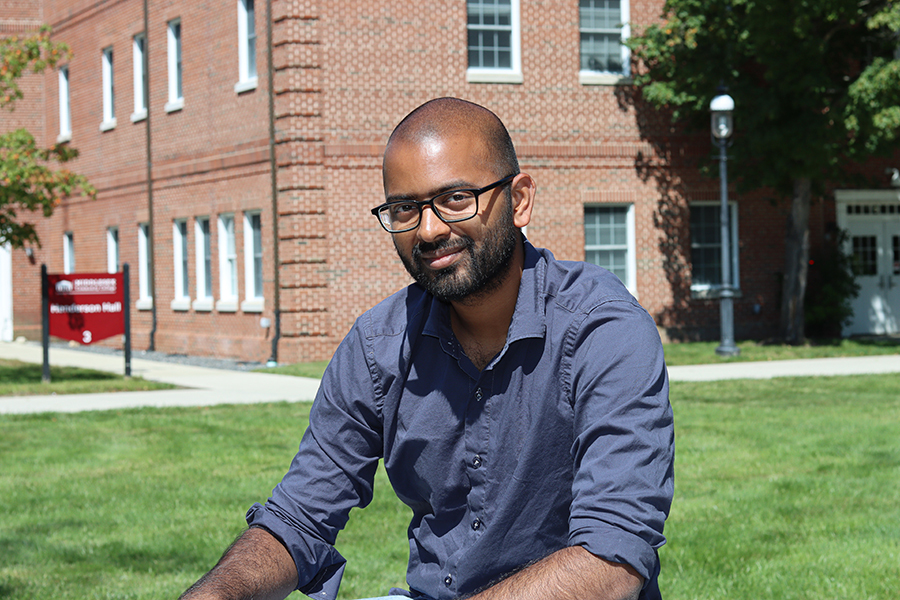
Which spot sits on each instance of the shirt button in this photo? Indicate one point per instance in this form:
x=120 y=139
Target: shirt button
x=477 y=524
x=448 y=580
x=478 y=394
x=476 y=462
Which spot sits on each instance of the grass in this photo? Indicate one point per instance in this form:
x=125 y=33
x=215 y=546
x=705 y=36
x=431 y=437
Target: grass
x=307 y=369
x=697 y=353
x=24 y=379
x=785 y=488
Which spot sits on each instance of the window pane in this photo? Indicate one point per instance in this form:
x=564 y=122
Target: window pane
x=606 y=238
x=490 y=33
x=865 y=255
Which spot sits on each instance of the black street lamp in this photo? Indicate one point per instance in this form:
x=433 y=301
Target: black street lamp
x=721 y=109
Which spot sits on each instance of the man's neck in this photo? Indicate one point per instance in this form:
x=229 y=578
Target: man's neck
x=481 y=325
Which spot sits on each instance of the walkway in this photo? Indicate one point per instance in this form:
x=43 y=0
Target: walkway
x=205 y=386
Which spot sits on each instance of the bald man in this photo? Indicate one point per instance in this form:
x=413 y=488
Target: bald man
x=520 y=403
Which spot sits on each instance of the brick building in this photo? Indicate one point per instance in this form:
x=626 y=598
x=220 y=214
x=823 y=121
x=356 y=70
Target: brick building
x=254 y=238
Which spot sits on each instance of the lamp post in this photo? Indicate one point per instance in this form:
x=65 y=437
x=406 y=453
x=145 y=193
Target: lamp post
x=721 y=109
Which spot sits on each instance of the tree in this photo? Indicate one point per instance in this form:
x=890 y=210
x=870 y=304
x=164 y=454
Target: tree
x=816 y=88
x=28 y=181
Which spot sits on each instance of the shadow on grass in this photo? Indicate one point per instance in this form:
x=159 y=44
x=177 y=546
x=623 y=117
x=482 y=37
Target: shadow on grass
x=15 y=372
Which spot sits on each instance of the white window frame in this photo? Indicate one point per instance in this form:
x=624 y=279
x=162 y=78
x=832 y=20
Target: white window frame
x=109 y=90
x=203 y=265
x=174 y=48
x=704 y=290
x=253 y=298
x=138 y=47
x=247 y=75
x=112 y=249
x=630 y=253
x=588 y=77
x=501 y=75
x=182 y=299
x=68 y=252
x=228 y=284
x=65 y=106
x=145 y=300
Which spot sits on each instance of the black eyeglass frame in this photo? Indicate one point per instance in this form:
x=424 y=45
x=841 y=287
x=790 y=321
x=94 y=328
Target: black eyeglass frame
x=420 y=204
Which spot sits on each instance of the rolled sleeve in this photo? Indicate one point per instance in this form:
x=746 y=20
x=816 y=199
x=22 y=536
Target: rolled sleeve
x=624 y=441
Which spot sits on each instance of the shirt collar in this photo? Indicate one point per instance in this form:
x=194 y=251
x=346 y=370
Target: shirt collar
x=529 y=318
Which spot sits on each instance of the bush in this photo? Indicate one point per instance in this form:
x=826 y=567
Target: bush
x=831 y=289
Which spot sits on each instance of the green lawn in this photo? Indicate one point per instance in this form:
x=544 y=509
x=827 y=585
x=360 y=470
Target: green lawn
x=785 y=488
x=24 y=379
x=698 y=353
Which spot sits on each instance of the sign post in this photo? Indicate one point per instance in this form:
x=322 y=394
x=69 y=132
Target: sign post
x=85 y=308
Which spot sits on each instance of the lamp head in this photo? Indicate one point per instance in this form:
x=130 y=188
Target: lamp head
x=722 y=121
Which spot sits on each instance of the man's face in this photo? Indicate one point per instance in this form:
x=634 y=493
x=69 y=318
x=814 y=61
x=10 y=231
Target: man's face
x=455 y=261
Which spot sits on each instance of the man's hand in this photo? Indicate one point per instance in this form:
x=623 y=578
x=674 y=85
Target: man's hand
x=256 y=566
x=569 y=574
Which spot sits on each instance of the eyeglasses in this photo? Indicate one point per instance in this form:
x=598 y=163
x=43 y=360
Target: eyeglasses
x=450 y=207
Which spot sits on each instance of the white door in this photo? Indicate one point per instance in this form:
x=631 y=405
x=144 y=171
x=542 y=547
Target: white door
x=875 y=244
x=6 y=308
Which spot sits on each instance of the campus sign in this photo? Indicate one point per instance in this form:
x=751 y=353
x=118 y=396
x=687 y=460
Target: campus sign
x=86 y=307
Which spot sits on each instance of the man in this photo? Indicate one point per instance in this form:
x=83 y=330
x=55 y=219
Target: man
x=520 y=403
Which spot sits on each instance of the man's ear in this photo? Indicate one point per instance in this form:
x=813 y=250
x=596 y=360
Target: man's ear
x=523 y=189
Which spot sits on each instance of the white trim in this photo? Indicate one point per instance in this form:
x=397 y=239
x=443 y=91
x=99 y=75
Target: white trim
x=228 y=285
x=65 y=106
x=708 y=290
x=247 y=75
x=174 y=56
x=138 y=44
x=499 y=75
x=112 y=249
x=109 y=90
x=630 y=244
x=202 y=257
x=145 y=301
x=68 y=252
x=180 y=256
x=250 y=235
x=588 y=77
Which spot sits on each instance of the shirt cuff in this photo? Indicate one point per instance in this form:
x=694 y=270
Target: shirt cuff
x=319 y=566
x=615 y=545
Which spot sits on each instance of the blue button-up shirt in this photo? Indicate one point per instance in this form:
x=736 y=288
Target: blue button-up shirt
x=565 y=438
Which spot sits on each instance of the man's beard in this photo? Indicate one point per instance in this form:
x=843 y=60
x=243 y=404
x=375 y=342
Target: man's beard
x=479 y=272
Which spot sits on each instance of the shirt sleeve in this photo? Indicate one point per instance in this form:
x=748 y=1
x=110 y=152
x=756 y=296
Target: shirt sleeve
x=624 y=440
x=332 y=472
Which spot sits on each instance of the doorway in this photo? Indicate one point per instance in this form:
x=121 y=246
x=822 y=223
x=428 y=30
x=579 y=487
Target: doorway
x=872 y=221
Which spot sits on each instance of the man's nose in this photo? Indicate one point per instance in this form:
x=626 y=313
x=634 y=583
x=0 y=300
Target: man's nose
x=430 y=226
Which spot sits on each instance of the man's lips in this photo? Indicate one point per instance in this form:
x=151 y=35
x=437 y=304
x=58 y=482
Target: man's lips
x=441 y=257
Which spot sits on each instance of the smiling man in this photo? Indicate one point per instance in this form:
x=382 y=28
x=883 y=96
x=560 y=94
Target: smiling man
x=520 y=403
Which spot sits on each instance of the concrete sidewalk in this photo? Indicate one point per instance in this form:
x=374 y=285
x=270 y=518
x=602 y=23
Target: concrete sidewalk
x=205 y=386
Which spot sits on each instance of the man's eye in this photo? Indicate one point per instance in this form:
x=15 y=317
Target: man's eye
x=399 y=210
x=461 y=197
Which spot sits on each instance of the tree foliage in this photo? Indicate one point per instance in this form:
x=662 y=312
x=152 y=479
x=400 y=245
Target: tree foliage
x=28 y=180
x=816 y=85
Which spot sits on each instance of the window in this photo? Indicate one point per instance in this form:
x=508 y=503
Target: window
x=604 y=27
x=253 y=265
x=227 y=265
x=112 y=249
x=246 y=46
x=68 y=252
x=609 y=241
x=706 y=248
x=865 y=255
x=493 y=41
x=176 y=97
x=109 y=90
x=140 y=96
x=182 y=299
x=203 y=264
x=65 y=113
x=145 y=300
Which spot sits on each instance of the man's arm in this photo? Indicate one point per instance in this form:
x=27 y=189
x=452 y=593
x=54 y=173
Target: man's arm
x=569 y=574
x=256 y=566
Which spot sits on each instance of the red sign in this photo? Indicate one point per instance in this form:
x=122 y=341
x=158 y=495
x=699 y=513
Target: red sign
x=86 y=307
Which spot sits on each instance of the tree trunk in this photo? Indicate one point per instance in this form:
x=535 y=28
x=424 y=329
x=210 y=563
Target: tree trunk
x=796 y=264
